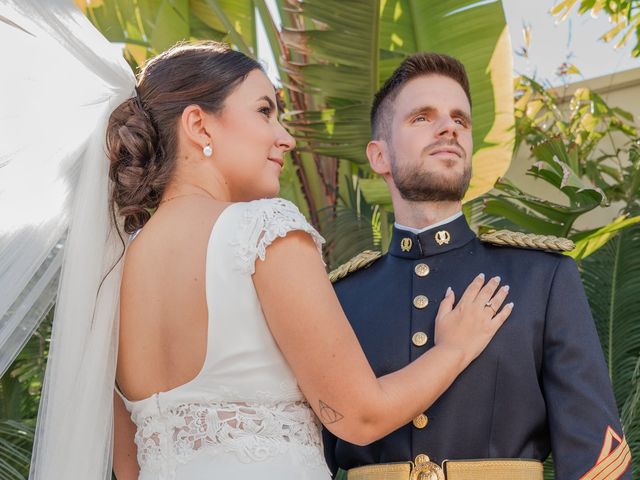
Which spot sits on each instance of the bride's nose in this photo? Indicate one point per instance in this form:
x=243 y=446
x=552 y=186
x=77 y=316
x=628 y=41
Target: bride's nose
x=284 y=140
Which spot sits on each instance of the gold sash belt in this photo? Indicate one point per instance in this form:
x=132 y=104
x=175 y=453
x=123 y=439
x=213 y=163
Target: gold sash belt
x=423 y=469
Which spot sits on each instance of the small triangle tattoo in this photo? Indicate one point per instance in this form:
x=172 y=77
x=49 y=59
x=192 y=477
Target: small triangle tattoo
x=328 y=415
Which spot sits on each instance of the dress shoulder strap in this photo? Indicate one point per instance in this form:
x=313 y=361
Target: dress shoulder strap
x=263 y=221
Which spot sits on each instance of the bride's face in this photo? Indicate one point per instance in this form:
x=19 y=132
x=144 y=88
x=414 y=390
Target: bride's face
x=248 y=141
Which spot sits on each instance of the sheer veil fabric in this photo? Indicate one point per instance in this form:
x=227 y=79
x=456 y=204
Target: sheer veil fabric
x=61 y=80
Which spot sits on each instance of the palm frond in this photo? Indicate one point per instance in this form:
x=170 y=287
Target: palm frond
x=16 y=440
x=353 y=226
x=611 y=278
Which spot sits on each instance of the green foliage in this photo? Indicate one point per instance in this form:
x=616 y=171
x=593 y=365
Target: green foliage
x=16 y=439
x=581 y=129
x=362 y=226
x=624 y=15
x=333 y=61
x=539 y=215
x=147 y=27
x=611 y=278
x=19 y=398
x=587 y=242
x=575 y=154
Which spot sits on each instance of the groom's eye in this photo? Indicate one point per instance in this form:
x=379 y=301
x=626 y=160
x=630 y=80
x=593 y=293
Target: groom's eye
x=462 y=121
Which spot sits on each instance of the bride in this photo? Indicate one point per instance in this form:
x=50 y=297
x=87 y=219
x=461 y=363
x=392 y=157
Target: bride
x=230 y=334
x=232 y=347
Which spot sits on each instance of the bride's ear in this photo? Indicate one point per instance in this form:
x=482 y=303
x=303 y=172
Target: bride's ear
x=195 y=126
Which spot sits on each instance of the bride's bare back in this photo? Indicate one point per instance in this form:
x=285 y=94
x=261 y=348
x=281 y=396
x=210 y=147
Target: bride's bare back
x=163 y=309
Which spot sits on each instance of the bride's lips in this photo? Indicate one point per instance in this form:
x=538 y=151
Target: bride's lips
x=279 y=161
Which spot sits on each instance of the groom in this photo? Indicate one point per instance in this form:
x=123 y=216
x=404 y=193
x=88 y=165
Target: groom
x=541 y=386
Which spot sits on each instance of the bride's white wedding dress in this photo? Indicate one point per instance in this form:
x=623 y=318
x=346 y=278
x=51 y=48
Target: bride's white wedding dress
x=243 y=416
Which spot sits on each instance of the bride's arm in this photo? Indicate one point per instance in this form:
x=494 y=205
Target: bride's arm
x=125 y=463
x=315 y=337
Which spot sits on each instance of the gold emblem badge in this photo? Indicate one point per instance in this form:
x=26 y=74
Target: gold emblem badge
x=443 y=237
x=406 y=244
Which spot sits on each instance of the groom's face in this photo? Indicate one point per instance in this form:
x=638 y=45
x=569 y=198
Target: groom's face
x=430 y=142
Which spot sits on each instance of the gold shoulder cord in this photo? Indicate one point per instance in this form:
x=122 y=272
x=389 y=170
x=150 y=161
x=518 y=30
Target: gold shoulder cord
x=528 y=240
x=362 y=260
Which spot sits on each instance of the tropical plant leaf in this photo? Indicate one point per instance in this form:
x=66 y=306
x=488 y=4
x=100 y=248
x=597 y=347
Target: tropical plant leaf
x=555 y=167
x=147 y=27
x=16 y=440
x=525 y=219
x=375 y=191
x=624 y=15
x=334 y=62
x=171 y=24
x=611 y=278
x=353 y=227
x=19 y=397
x=234 y=17
x=589 y=241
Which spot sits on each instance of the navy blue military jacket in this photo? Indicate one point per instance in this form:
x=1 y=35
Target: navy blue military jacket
x=540 y=386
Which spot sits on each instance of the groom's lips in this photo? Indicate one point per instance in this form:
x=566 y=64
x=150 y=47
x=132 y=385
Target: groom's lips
x=447 y=151
x=279 y=161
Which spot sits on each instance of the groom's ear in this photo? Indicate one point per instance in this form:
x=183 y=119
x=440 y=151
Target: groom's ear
x=378 y=157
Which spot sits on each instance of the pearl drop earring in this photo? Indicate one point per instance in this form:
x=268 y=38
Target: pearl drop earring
x=207 y=150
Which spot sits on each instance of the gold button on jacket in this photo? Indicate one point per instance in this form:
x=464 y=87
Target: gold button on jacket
x=422 y=269
x=420 y=301
x=419 y=339
x=420 y=421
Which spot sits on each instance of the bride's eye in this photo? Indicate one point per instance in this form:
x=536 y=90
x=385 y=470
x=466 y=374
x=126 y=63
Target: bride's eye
x=266 y=111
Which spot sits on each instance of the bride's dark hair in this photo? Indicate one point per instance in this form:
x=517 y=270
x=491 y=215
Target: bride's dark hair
x=141 y=134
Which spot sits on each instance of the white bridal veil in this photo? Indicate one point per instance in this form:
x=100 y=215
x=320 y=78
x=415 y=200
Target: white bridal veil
x=60 y=79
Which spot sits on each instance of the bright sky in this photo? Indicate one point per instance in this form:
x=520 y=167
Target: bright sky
x=575 y=40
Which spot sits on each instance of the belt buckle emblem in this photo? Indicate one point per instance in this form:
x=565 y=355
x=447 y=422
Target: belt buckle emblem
x=425 y=469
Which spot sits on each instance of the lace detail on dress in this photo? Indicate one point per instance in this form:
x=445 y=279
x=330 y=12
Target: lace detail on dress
x=252 y=432
x=262 y=222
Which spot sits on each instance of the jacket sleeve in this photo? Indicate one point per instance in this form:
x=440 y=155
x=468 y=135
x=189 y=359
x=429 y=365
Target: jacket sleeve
x=587 y=441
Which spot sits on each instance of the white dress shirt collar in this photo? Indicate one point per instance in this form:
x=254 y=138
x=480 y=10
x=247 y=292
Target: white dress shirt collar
x=429 y=227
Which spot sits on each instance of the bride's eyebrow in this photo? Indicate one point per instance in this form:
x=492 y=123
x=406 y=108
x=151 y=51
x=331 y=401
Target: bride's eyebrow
x=269 y=101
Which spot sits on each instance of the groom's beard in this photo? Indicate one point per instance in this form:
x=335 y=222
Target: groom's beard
x=417 y=185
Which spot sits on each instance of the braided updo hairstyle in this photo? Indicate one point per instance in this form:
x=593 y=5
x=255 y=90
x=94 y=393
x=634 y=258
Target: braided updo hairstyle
x=142 y=131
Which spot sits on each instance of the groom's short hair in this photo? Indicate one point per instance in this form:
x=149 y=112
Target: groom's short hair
x=423 y=63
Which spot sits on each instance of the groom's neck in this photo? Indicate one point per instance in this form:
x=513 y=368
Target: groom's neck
x=423 y=214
